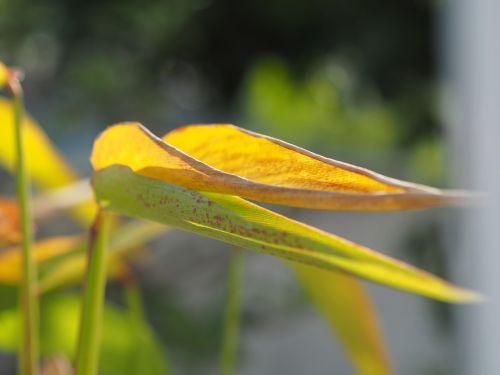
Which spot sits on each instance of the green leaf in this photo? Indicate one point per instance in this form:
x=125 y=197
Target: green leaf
x=247 y=225
x=346 y=306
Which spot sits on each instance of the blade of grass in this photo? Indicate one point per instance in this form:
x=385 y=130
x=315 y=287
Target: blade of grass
x=29 y=348
x=91 y=319
x=232 y=315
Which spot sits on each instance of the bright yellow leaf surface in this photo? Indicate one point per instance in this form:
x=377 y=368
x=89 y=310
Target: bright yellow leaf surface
x=229 y=160
x=47 y=168
x=10 y=258
x=346 y=306
x=10 y=230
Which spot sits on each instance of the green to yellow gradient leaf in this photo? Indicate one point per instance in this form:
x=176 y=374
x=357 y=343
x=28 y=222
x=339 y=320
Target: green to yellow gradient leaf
x=10 y=225
x=241 y=223
x=346 y=306
x=46 y=167
x=229 y=160
x=10 y=258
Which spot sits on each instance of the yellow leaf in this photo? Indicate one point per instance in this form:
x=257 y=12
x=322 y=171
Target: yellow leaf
x=10 y=258
x=347 y=307
x=229 y=160
x=10 y=231
x=47 y=168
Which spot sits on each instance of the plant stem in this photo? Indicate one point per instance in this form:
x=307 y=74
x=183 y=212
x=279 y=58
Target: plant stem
x=29 y=348
x=91 y=320
x=146 y=348
x=232 y=314
x=134 y=301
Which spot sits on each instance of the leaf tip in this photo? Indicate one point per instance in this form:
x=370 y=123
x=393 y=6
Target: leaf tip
x=466 y=296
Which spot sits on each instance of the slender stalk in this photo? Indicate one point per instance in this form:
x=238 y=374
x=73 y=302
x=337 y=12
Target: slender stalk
x=232 y=315
x=91 y=319
x=147 y=350
x=136 y=311
x=29 y=348
x=134 y=301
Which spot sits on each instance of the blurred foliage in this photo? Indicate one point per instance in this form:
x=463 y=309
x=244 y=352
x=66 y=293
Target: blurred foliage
x=183 y=60
x=123 y=341
x=321 y=110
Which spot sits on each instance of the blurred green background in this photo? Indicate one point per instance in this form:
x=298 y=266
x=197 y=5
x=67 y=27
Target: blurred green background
x=353 y=80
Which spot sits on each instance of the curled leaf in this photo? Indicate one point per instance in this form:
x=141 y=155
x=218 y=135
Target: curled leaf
x=247 y=225
x=230 y=160
x=10 y=231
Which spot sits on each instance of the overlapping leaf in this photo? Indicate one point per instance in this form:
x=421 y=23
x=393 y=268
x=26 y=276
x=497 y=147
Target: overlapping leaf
x=244 y=224
x=229 y=160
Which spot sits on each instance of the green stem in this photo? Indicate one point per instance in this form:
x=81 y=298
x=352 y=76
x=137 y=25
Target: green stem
x=29 y=348
x=232 y=314
x=134 y=302
x=91 y=320
x=143 y=336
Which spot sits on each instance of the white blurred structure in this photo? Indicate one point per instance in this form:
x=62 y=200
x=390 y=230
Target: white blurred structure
x=472 y=69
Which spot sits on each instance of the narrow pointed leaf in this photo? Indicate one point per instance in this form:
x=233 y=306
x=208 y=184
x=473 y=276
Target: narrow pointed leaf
x=346 y=306
x=244 y=224
x=47 y=168
x=229 y=160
